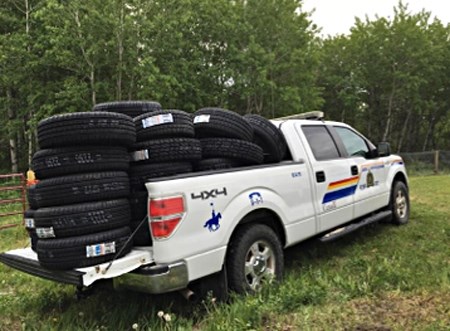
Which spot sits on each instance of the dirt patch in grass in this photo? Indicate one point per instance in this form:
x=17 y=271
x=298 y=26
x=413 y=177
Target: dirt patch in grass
x=396 y=311
x=388 y=312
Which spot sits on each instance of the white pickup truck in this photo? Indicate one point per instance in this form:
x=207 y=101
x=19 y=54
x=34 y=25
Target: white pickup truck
x=233 y=224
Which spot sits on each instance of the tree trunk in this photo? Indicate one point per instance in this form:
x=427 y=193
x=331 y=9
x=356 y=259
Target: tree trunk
x=120 y=54
x=89 y=62
x=429 y=132
x=404 y=130
x=92 y=81
x=12 y=136
x=389 y=115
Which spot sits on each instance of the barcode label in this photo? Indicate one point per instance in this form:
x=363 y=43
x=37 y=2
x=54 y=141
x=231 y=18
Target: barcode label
x=100 y=249
x=45 y=232
x=29 y=223
x=157 y=120
x=140 y=155
x=201 y=119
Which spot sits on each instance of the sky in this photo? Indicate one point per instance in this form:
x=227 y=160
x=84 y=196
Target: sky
x=337 y=16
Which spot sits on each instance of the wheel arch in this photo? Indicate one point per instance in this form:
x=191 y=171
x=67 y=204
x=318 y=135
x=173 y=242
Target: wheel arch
x=400 y=177
x=264 y=216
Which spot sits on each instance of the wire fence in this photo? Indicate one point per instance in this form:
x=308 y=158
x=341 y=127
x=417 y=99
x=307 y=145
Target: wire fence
x=427 y=162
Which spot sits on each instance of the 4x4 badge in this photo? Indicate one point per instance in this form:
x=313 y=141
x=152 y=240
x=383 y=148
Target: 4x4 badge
x=209 y=194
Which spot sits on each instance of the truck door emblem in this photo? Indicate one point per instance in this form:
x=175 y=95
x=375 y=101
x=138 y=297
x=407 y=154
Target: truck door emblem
x=213 y=223
x=255 y=198
x=209 y=194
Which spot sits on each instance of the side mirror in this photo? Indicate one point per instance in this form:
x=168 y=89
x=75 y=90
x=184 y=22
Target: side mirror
x=384 y=149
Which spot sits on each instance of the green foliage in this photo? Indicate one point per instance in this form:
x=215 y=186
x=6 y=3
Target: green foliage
x=65 y=56
x=389 y=78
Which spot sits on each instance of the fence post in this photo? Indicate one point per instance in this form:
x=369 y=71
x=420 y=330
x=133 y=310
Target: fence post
x=436 y=161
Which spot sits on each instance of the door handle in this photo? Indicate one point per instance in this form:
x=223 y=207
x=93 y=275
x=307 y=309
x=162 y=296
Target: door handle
x=354 y=170
x=320 y=176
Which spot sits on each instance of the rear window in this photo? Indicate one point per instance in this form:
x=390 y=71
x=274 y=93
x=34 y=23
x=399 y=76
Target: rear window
x=321 y=142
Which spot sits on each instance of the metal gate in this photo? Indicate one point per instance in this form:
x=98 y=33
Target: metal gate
x=12 y=199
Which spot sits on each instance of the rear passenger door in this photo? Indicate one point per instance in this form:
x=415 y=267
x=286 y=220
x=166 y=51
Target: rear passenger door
x=331 y=171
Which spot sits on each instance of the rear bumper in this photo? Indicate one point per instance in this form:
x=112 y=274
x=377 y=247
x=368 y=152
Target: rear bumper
x=155 y=279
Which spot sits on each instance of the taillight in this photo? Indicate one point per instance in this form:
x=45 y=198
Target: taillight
x=165 y=214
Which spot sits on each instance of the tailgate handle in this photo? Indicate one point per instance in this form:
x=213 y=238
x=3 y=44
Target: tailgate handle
x=320 y=176
x=354 y=170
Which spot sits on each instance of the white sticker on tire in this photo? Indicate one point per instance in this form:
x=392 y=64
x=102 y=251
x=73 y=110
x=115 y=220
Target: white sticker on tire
x=157 y=120
x=100 y=249
x=140 y=155
x=201 y=119
x=45 y=232
x=29 y=223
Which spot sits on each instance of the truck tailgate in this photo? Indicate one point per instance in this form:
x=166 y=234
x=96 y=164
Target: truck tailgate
x=26 y=260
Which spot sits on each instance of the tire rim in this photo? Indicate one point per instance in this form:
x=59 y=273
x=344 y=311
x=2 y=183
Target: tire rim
x=401 y=205
x=259 y=265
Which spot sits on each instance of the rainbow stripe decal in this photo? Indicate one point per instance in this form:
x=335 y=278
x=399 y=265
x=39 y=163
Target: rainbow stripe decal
x=372 y=166
x=341 y=189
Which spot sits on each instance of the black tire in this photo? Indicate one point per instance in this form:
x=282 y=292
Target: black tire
x=71 y=189
x=167 y=150
x=31 y=197
x=28 y=216
x=33 y=239
x=268 y=137
x=399 y=203
x=140 y=173
x=81 y=219
x=246 y=152
x=89 y=128
x=67 y=253
x=216 y=164
x=48 y=163
x=142 y=237
x=217 y=122
x=29 y=224
x=264 y=261
x=138 y=204
x=164 y=124
x=129 y=108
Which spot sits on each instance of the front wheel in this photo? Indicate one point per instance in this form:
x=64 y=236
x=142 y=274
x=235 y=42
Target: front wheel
x=400 y=204
x=255 y=258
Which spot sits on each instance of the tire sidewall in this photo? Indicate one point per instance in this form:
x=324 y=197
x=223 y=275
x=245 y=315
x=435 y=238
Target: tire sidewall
x=248 y=235
x=396 y=219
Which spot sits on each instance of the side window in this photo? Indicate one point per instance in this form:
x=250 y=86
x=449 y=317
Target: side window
x=321 y=142
x=354 y=144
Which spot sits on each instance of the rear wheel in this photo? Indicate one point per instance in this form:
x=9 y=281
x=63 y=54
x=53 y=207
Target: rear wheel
x=255 y=258
x=400 y=204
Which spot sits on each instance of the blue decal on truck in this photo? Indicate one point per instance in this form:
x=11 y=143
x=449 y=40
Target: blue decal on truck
x=255 y=198
x=213 y=223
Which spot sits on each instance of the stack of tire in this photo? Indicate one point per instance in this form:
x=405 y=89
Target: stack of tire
x=226 y=139
x=138 y=196
x=267 y=136
x=82 y=210
x=129 y=108
x=166 y=146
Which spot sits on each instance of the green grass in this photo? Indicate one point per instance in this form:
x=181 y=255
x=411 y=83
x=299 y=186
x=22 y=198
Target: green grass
x=383 y=277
